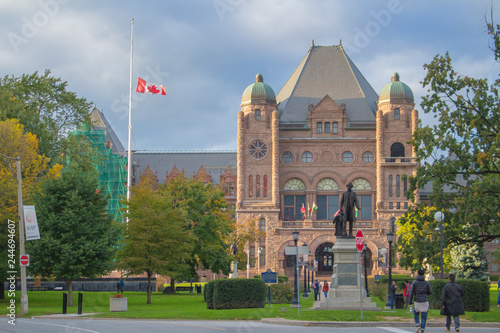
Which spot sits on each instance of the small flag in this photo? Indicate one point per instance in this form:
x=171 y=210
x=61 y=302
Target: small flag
x=356 y=212
x=150 y=88
x=337 y=213
x=309 y=208
x=303 y=209
x=315 y=208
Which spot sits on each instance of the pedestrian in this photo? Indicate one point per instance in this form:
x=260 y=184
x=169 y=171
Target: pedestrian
x=325 y=289
x=420 y=290
x=451 y=303
x=406 y=293
x=392 y=293
x=121 y=285
x=498 y=285
x=316 y=289
x=498 y=300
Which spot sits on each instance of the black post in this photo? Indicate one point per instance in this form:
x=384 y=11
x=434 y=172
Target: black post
x=65 y=303
x=389 y=238
x=80 y=303
x=308 y=280
x=191 y=288
x=295 y=300
x=366 y=276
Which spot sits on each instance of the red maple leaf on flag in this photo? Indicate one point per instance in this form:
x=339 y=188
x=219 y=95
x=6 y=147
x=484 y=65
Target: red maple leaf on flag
x=153 y=89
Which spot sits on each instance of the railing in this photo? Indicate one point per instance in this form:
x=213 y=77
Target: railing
x=321 y=224
x=398 y=160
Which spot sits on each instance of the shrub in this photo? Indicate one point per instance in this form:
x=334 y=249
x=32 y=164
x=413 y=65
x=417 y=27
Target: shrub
x=282 y=278
x=476 y=294
x=281 y=293
x=237 y=294
x=209 y=293
x=494 y=277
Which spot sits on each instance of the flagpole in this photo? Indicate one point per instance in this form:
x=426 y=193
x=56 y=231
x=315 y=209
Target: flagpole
x=129 y=162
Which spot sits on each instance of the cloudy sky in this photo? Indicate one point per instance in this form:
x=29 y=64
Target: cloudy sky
x=207 y=52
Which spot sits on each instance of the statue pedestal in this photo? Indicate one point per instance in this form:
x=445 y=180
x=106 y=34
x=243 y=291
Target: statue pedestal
x=346 y=279
x=234 y=274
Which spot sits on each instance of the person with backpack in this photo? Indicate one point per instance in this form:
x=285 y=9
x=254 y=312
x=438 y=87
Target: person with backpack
x=316 y=289
x=420 y=290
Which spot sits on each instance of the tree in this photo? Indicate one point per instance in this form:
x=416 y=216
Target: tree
x=418 y=240
x=247 y=232
x=469 y=262
x=208 y=217
x=466 y=180
x=77 y=237
x=155 y=239
x=13 y=143
x=43 y=105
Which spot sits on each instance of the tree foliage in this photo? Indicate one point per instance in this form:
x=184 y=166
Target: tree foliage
x=208 y=217
x=45 y=107
x=460 y=154
x=247 y=232
x=77 y=237
x=469 y=262
x=155 y=240
x=418 y=240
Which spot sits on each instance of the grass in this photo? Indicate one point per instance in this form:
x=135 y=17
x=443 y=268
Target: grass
x=185 y=305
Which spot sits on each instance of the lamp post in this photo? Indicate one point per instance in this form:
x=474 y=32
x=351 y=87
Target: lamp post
x=248 y=262
x=304 y=262
x=390 y=237
x=295 y=301
x=439 y=217
x=366 y=276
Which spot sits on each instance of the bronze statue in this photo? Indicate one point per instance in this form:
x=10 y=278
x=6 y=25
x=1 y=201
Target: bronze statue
x=234 y=249
x=348 y=201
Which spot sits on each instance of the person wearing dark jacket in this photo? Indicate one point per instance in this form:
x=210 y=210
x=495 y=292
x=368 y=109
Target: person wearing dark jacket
x=420 y=290
x=392 y=293
x=451 y=303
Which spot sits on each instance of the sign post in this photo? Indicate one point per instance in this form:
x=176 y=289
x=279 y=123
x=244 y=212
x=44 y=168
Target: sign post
x=360 y=244
x=269 y=277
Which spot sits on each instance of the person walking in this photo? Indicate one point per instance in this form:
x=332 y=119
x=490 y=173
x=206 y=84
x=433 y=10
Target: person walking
x=325 y=288
x=392 y=293
x=406 y=293
x=316 y=289
x=451 y=303
x=420 y=290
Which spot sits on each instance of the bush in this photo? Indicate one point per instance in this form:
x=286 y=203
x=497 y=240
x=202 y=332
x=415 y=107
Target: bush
x=281 y=293
x=282 y=278
x=236 y=294
x=476 y=294
x=494 y=277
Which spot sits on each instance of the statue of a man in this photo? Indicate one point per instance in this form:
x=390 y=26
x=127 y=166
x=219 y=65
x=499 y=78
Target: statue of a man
x=348 y=201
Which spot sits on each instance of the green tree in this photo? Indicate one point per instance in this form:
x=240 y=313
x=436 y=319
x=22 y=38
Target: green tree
x=469 y=262
x=418 y=240
x=45 y=107
x=460 y=154
x=155 y=240
x=247 y=232
x=208 y=217
x=77 y=237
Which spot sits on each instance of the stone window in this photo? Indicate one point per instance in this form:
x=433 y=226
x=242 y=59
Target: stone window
x=265 y=187
x=327 y=206
x=347 y=157
x=319 y=127
x=335 y=128
x=292 y=206
x=397 y=114
x=258 y=114
x=229 y=189
x=366 y=207
x=361 y=184
x=327 y=184
x=250 y=188
x=368 y=157
x=397 y=150
x=398 y=186
x=327 y=127
x=307 y=157
x=390 y=186
x=257 y=186
x=286 y=157
x=295 y=184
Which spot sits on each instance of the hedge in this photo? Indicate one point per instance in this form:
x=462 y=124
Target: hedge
x=282 y=293
x=236 y=294
x=476 y=294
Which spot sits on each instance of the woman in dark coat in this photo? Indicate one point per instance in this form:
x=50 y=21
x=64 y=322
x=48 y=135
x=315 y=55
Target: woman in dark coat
x=451 y=303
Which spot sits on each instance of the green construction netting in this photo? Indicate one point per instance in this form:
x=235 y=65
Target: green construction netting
x=113 y=172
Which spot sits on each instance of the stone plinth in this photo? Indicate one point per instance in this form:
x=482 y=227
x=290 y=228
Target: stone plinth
x=346 y=279
x=118 y=304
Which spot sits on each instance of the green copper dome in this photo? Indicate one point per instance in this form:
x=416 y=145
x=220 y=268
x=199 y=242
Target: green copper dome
x=258 y=93
x=396 y=91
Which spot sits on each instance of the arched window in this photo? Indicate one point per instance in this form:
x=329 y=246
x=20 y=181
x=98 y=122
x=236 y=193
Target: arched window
x=390 y=186
x=265 y=187
x=250 y=188
x=397 y=114
x=257 y=186
x=365 y=200
x=293 y=203
x=328 y=203
x=263 y=224
x=397 y=150
x=257 y=114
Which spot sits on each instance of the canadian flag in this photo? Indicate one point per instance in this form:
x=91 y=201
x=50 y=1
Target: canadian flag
x=150 y=88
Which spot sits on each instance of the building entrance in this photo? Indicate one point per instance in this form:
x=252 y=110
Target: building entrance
x=324 y=257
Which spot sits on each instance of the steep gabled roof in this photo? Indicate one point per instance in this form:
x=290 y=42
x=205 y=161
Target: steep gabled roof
x=99 y=122
x=327 y=70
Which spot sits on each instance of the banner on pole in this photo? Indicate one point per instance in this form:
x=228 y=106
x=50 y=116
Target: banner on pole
x=31 y=223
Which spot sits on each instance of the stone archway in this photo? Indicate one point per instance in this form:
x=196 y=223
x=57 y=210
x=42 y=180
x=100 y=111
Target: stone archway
x=324 y=257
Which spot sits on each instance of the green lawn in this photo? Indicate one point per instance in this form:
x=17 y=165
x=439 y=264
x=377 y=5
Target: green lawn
x=191 y=306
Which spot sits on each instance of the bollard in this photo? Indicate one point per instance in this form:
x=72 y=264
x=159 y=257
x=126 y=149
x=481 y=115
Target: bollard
x=65 y=303
x=80 y=303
